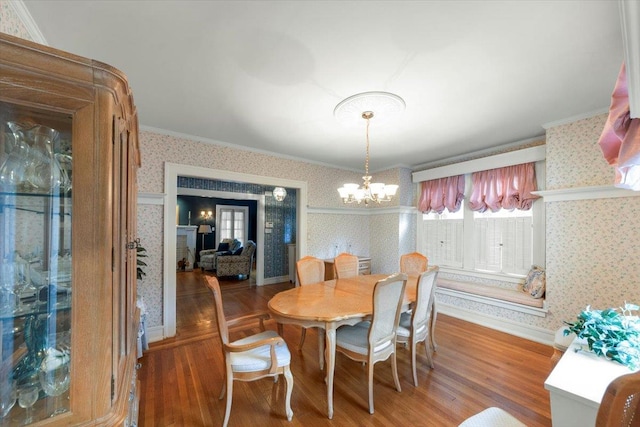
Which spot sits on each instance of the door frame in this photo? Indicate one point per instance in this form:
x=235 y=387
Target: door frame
x=171 y=173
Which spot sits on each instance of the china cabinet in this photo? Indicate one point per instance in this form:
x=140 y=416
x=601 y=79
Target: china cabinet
x=68 y=161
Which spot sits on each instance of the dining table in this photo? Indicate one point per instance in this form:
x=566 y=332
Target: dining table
x=329 y=305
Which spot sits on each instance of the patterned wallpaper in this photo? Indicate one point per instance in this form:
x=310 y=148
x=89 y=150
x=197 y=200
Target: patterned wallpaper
x=592 y=252
x=574 y=158
x=150 y=225
x=10 y=23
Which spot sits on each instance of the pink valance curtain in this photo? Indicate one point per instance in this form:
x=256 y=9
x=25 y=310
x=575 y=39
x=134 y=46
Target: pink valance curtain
x=504 y=188
x=441 y=193
x=620 y=139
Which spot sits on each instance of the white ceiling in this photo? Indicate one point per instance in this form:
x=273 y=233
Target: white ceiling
x=268 y=74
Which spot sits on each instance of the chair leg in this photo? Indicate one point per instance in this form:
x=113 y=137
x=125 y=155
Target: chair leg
x=303 y=334
x=394 y=371
x=370 y=386
x=227 y=411
x=429 y=351
x=432 y=332
x=224 y=389
x=289 y=378
x=413 y=362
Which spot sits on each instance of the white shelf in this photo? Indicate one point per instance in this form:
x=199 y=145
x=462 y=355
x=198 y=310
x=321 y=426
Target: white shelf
x=585 y=193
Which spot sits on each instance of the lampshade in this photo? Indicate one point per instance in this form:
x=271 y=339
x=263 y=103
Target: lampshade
x=204 y=229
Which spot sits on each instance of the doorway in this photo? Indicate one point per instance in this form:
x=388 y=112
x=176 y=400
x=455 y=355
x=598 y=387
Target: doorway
x=172 y=171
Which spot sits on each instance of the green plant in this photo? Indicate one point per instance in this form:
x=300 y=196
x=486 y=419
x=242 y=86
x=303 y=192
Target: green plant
x=140 y=253
x=613 y=333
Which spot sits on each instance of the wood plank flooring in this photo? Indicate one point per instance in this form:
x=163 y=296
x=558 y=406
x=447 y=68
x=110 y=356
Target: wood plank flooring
x=475 y=368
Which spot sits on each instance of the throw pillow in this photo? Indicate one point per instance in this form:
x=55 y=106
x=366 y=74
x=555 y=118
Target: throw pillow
x=535 y=283
x=238 y=251
x=223 y=247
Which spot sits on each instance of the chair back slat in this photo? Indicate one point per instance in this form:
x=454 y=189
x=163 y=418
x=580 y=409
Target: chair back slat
x=309 y=270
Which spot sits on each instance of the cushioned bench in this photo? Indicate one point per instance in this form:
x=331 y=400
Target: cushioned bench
x=513 y=295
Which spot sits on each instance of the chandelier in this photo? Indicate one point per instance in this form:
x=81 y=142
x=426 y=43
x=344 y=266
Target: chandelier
x=376 y=192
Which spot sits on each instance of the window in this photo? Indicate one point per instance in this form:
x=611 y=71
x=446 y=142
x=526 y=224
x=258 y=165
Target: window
x=504 y=243
x=232 y=222
x=443 y=237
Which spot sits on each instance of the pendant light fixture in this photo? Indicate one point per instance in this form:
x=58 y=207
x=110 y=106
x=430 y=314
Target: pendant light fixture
x=369 y=103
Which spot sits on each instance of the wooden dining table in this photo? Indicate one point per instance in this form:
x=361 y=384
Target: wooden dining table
x=329 y=305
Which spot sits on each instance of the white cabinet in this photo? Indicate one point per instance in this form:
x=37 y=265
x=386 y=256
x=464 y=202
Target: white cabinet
x=577 y=384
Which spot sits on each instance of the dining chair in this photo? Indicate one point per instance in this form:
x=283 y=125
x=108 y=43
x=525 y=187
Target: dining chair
x=413 y=263
x=377 y=342
x=620 y=407
x=415 y=327
x=261 y=355
x=309 y=270
x=345 y=265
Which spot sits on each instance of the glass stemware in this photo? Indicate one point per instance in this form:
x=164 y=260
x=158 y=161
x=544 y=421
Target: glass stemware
x=7 y=397
x=13 y=170
x=27 y=397
x=54 y=376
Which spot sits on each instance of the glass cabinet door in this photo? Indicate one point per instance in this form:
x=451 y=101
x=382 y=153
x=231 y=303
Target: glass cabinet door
x=36 y=283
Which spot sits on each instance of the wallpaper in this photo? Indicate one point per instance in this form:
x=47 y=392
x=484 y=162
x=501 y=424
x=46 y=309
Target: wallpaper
x=150 y=225
x=10 y=23
x=592 y=245
x=574 y=158
x=332 y=234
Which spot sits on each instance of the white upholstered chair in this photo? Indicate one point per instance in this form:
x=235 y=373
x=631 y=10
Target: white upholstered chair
x=492 y=417
x=415 y=327
x=257 y=356
x=415 y=263
x=345 y=265
x=309 y=270
x=378 y=341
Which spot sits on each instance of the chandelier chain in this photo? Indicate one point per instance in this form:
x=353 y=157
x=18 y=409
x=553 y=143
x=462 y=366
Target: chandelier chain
x=366 y=161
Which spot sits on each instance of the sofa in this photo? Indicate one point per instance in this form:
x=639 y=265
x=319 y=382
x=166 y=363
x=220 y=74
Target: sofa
x=209 y=257
x=237 y=265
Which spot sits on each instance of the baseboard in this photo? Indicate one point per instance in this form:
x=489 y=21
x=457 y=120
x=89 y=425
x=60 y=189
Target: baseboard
x=533 y=333
x=274 y=280
x=155 y=333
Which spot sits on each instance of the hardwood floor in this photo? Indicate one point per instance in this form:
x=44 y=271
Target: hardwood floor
x=475 y=368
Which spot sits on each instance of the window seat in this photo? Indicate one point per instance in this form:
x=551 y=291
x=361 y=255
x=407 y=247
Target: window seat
x=512 y=295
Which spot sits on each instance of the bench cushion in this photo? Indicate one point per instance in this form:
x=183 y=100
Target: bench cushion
x=505 y=294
